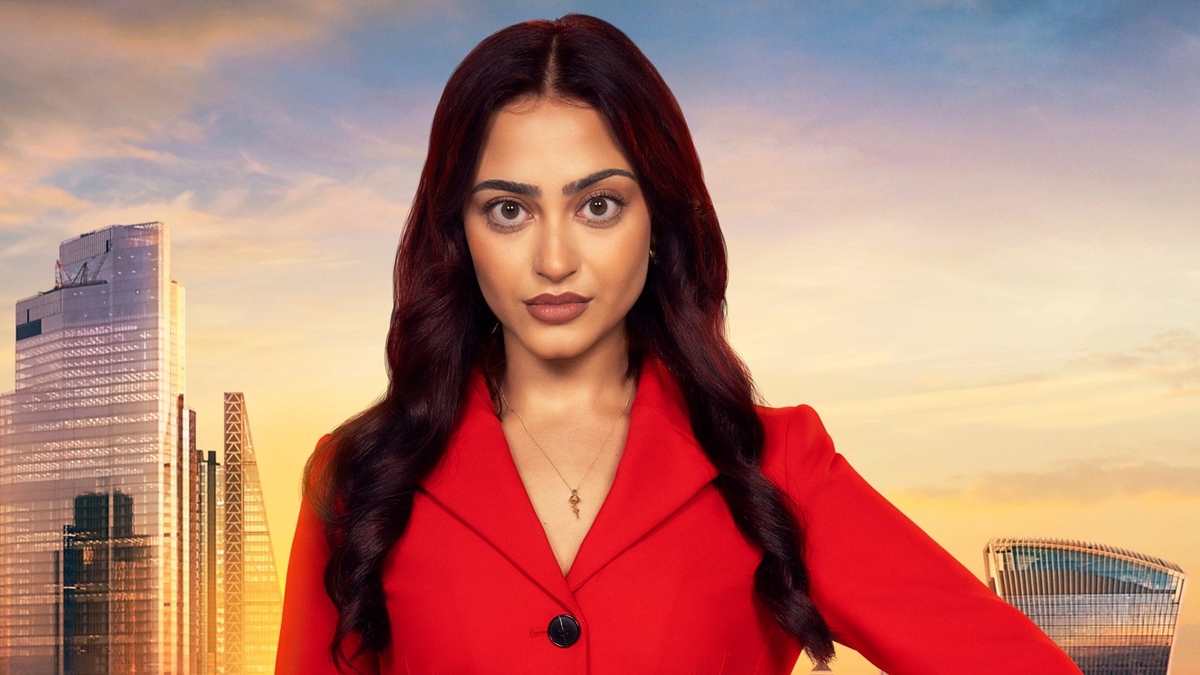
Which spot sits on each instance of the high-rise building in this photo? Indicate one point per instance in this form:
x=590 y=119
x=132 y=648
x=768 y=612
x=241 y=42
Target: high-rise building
x=253 y=603
x=99 y=508
x=1112 y=610
x=212 y=564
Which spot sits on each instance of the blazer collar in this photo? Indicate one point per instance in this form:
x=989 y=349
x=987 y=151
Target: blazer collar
x=662 y=468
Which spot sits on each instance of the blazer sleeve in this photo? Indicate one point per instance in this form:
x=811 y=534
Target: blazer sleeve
x=309 y=617
x=886 y=589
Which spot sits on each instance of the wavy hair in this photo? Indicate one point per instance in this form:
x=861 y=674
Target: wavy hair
x=441 y=327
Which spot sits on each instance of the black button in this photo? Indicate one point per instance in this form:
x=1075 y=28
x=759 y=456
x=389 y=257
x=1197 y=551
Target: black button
x=564 y=630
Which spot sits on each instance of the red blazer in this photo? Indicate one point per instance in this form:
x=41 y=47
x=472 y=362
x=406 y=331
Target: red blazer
x=664 y=581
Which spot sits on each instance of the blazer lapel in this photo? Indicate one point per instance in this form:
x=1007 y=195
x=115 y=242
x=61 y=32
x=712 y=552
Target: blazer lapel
x=477 y=481
x=661 y=469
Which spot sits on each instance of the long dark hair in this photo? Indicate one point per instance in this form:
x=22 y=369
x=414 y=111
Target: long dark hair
x=441 y=328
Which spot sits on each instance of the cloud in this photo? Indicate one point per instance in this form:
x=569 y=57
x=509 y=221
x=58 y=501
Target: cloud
x=996 y=394
x=1089 y=481
x=113 y=81
x=1172 y=357
x=959 y=333
x=1097 y=39
x=19 y=202
x=1140 y=29
x=169 y=34
x=76 y=65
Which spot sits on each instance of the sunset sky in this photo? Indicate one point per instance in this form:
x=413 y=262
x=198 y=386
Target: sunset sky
x=966 y=232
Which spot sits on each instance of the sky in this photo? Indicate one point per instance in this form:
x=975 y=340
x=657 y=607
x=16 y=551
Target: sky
x=966 y=232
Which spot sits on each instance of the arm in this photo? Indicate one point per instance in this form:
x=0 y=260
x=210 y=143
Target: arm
x=887 y=589
x=309 y=617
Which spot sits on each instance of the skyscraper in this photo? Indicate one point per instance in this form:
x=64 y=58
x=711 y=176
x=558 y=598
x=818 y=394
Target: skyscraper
x=253 y=603
x=212 y=564
x=98 y=488
x=1112 y=610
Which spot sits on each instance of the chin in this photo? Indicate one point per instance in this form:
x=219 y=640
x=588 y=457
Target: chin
x=560 y=347
x=559 y=352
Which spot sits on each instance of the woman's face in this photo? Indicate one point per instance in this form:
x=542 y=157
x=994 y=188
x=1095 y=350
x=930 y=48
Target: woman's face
x=558 y=229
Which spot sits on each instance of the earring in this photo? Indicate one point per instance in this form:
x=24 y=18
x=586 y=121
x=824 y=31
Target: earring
x=653 y=256
x=495 y=328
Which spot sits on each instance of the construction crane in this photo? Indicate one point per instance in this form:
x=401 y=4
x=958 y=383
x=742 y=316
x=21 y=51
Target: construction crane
x=83 y=277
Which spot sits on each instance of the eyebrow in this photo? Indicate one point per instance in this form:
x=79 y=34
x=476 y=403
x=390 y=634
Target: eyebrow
x=534 y=191
x=508 y=186
x=575 y=186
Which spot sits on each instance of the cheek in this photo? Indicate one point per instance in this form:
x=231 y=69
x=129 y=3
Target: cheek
x=486 y=263
x=628 y=266
x=499 y=271
x=637 y=283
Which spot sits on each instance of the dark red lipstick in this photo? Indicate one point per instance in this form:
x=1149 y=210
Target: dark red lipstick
x=555 y=309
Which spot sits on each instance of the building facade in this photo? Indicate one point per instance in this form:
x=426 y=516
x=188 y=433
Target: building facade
x=1112 y=610
x=98 y=484
x=253 y=603
x=108 y=593
x=212 y=563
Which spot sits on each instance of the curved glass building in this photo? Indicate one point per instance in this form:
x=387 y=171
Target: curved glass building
x=1112 y=610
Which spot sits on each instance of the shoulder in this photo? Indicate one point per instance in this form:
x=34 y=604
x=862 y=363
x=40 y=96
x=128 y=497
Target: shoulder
x=317 y=483
x=319 y=463
x=797 y=450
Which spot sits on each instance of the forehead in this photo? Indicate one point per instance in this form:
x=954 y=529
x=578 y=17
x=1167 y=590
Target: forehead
x=535 y=140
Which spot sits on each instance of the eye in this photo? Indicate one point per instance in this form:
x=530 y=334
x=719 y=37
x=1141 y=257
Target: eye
x=506 y=214
x=602 y=208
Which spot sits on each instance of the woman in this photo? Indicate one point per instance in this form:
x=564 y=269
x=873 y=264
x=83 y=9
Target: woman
x=568 y=472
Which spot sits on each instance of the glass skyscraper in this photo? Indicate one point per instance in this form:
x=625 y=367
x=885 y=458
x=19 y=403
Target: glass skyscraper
x=99 y=488
x=1112 y=610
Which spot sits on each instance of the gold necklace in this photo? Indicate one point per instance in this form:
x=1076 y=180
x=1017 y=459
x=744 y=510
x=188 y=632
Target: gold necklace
x=574 y=499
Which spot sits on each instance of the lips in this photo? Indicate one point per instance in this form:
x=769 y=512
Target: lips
x=556 y=309
x=561 y=299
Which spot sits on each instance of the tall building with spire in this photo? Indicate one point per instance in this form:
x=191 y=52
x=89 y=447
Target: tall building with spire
x=98 y=483
x=1112 y=610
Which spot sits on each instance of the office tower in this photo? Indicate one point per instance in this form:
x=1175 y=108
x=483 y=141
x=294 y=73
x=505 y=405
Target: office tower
x=212 y=565
x=97 y=503
x=190 y=563
x=253 y=603
x=1112 y=610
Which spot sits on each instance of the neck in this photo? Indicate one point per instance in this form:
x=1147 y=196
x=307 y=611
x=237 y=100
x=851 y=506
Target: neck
x=594 y=380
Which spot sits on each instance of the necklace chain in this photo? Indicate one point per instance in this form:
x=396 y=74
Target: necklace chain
x=574 y=499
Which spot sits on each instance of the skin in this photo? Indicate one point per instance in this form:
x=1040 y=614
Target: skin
x=527 y=237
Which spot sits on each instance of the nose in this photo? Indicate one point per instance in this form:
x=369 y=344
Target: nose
x=556 y=257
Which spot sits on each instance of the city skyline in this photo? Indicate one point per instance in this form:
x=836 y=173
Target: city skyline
x=963 y=231
x=125 y=547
